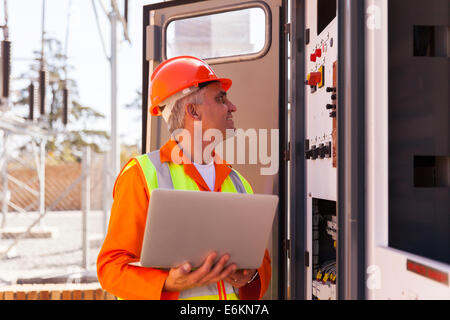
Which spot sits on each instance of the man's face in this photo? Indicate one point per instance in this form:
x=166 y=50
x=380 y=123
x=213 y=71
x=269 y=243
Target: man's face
x=216 y=110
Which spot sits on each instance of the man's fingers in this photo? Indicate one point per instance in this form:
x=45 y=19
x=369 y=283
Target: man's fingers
x=178 y=278
x=248 y=272
x=228 y=271
x=217 y=269
x=221 y=264
x=181 y=272
x=205 y=268
x=184 y=269
x=239 y=278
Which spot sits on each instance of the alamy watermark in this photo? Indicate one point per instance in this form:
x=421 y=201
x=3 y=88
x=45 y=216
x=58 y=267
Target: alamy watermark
x=373 y=281
x=251 y=146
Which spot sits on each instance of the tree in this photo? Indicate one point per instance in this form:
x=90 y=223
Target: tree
x=66 y=144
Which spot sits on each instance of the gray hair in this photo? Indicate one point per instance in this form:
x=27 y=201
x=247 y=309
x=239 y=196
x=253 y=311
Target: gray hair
x=178 y=114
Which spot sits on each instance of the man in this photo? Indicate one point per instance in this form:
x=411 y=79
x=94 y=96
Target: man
x=186 y=92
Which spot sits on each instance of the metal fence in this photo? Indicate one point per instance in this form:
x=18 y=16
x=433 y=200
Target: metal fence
x=54 y=217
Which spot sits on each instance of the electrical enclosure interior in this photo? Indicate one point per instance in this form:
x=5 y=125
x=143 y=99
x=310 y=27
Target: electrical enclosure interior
x=320 y=145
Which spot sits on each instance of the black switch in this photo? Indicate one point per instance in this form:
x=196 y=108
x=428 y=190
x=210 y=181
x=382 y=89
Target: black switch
x=331 y=106
x=333 y=114
x=331 y=89
x=322 y=151
x=308 y=154
x=314 y=153
x=328 y=149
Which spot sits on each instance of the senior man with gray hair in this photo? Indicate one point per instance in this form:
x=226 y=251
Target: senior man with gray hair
x=186 y=92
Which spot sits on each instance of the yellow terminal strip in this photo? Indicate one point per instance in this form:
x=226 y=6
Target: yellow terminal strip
x=319 y=275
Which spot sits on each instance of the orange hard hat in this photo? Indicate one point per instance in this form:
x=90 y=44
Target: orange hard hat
x=177 y=74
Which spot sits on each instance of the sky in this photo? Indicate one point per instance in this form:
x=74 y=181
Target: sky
x=85 y=53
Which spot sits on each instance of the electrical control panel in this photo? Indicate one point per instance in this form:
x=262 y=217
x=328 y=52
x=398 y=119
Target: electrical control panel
x=321 y=44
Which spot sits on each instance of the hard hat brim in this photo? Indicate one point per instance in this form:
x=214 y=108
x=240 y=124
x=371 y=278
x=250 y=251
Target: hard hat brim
x=226 y=85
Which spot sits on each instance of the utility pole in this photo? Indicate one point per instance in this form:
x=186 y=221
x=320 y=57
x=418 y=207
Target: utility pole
x=65 y=89
x=43 y=72
x=115 y=147
x=43 y=78
x=5 y=66
x=113 y=16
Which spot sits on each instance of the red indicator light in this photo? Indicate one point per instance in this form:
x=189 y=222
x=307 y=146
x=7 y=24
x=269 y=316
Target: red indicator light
x=318 y=53
x=313 y=57
x=314 y=78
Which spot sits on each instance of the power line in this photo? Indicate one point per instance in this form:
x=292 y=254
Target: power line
x=114 y=154
x=99 y=29
x=103 y=7
x=43 y=34
x=66 y=44
x=6 y=57
x=43 y=76
x=65 y=89
x=114 y=15
x=121 y=18
x=5 y=6
x=5 y=27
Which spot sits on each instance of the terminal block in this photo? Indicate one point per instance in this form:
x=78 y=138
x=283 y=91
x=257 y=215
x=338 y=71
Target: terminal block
x=321 y=151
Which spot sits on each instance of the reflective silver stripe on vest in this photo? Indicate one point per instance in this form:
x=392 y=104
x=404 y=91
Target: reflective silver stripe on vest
x=162 y=171
x=201 y=293
x=237 y=182
x=165 y=179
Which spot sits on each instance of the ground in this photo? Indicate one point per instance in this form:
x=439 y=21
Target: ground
x=59 y=255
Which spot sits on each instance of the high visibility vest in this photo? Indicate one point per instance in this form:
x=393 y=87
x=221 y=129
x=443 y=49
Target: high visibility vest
x=170 y=175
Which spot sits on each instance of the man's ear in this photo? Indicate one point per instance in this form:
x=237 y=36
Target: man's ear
x=192 y=111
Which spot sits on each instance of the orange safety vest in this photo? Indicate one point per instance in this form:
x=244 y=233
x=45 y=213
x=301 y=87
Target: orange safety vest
x=171 y=176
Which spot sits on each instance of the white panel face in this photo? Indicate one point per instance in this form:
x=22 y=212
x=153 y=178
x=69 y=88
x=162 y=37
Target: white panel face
x=390 y=279
x=321 y=172
x=376 y=132
x=387 y=271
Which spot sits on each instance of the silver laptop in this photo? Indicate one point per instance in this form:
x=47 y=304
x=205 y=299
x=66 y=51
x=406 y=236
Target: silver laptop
x=185 y=226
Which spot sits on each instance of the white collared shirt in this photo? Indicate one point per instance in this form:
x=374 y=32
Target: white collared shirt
x=208 y=173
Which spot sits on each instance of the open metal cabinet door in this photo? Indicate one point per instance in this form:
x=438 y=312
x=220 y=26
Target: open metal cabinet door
x=408 y=149
x=243 y=41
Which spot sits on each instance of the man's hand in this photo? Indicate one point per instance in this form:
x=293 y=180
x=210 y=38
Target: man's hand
x=182 y=278
x=240 y=278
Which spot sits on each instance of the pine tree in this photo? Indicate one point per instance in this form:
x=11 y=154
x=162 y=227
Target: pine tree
x=67 y=143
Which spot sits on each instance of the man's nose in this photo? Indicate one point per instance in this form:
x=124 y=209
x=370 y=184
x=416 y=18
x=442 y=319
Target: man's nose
x=231 y=106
